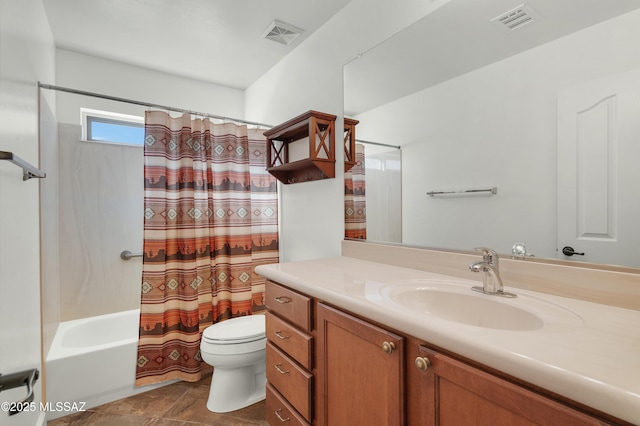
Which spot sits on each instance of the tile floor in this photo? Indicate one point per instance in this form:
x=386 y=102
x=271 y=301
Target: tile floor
x=178 y=404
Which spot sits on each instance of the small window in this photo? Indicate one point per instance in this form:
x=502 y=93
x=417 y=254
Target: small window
x=111 y=127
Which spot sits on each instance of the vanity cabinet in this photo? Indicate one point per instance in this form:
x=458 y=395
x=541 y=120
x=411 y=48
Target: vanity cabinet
x=326 y=366
x=451 y=392
x=289 y=364
x=360 y=371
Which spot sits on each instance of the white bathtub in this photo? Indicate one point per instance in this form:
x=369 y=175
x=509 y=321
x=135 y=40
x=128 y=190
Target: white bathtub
x=93 y=361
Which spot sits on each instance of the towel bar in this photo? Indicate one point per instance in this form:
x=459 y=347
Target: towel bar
x=28 y=171
x=493 y=190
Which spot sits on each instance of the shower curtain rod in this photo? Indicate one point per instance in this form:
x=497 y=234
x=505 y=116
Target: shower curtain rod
x=379 y=144
x=147 y=104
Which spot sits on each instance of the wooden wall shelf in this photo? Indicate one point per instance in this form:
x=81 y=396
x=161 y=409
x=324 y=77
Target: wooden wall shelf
x=303 y=148
x=349 y=143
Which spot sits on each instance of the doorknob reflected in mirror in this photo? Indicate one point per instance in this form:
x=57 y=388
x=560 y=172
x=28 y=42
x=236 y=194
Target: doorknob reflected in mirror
x=569 y=251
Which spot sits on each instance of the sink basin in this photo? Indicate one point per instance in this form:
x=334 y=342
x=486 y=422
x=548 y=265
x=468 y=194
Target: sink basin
x=454 y=302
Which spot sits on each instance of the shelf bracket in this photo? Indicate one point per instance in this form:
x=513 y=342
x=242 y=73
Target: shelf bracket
x=28 y=171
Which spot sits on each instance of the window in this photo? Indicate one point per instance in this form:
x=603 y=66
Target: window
x=111 y=127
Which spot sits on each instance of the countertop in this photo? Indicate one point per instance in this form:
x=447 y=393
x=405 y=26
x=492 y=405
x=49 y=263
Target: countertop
x=593 y=359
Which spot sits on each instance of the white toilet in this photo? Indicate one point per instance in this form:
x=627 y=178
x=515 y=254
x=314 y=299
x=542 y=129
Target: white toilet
x=236 y=350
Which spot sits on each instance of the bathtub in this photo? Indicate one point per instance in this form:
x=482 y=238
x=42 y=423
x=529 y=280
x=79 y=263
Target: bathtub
x=92 y=361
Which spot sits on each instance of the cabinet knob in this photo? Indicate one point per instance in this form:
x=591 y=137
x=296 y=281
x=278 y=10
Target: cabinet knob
x=388 y=347
x=422 y=363
x=282 y=299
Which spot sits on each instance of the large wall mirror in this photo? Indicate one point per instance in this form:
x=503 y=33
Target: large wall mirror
x=522 y=122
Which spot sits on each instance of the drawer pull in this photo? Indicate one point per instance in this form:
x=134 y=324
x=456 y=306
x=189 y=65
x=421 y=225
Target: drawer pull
x=388 y=347
x=423 y=363
x=283 y=299
x=280 y=336
x=280 y=417
x=280 y=370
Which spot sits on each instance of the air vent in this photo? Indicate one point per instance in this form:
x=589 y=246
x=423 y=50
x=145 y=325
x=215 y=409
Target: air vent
x=516 y=18
x=282 y=33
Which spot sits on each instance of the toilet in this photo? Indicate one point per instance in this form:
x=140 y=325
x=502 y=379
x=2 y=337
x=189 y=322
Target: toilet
x=236 y=348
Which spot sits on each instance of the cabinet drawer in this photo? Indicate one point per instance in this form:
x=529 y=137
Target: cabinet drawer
x=292 y=381
x=297 y=344
x=293 y=306
x=279 y=410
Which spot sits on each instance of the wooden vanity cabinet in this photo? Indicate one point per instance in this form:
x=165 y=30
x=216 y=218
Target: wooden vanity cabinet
x=360 y=371
x=289 y=364
x=329 y=367
x=447 y=391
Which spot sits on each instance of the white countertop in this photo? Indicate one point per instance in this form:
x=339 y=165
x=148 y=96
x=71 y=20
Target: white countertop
x=594 y=360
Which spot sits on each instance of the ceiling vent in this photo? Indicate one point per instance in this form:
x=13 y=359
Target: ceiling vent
x=282 y=33
x=516 y=18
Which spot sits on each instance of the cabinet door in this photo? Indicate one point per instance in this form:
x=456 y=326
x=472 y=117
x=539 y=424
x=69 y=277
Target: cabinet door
x=455 y=393
x=360 y=372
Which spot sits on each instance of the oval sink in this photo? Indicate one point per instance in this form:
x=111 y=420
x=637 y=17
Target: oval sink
x=458 y=303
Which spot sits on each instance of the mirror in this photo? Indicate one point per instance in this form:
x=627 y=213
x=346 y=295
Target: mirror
x=540 y=101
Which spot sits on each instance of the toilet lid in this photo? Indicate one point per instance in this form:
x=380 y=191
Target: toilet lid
x=236 y=330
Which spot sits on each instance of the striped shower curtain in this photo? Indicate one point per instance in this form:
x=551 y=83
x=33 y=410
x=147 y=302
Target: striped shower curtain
x=210 y=218
x=355 y=205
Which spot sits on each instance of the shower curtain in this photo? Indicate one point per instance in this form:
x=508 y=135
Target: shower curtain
x=355 y=205
x=210 y=217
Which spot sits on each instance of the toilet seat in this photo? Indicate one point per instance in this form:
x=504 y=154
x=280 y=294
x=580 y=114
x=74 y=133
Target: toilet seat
x=236 y=331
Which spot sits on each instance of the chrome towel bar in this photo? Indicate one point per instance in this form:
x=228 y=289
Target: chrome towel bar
x=493 y=190
x=28 y=171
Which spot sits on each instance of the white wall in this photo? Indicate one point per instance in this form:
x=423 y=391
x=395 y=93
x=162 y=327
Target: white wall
x=312 y=218
x=92 y=74
x=495 y=127
x=26 y=56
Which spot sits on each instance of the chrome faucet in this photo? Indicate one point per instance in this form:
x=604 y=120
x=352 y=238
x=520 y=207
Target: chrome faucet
x=490 y=267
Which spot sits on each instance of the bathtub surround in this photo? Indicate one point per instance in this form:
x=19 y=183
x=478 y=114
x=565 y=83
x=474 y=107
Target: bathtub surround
x=210 y=218
x=101 y=210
